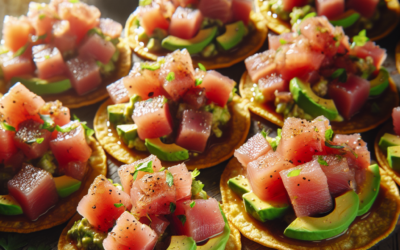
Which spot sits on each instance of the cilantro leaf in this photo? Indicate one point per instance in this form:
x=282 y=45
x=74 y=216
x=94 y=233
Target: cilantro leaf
x=195 y=173
x=328 y=134
x=150 y=66
x=76 y=118
x=118 y=205
x=38 y=140
x=333 y=146
x=361 y=39
x=170 y=76
x=161 y=169
x=192 y=204
x=42 y=16
x=64 y=130
x=7 y=127
x=143 y=167
x=321 y=161
x=201 y=67
x=172 y=207
x=340 y=74
x=88 y=131
x=74 y=1
x=294 y=173
x=170 y=179
x=48 y=123
x=282 y=41
x=182 y=218
x=20 y=51
x=198 y=82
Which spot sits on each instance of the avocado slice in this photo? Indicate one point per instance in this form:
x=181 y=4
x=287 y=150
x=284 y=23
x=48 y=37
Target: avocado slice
x=128 y=134
x=379 y=83
x=239 y=185
x=130 y=107
x=233 y=35
x=166 y=152
x=347 y=19
x=393 y=157
x=9 y=206
x=116 y=113
x=44 y=87
x=193 y=45
x=66 y=185
x=370 y=189
x=218 y=242
x=320 y=228
x=388 y=140
x=310 y=102
x=262 y=210
x=182 y=243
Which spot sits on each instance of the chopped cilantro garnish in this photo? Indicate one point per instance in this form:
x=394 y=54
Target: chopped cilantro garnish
x=328 y=134
x=48 y=123
x=321 y=161
x=333 y=146
x=361 y=39
x=282 y=41
x=76 y=118
x=309 y=15
x=172 y=207
x=170 y=76
x=74 y=1
x=38 y=140
x=20 y=51
x=118 y=205
x=88 y=131
x=170 y=179
x=64 y=130
x=7 y=127
x=150 y=66
x=143 y=167
x=294 y=173
x=340 y=74
x=144 y=2
x=192 y=204
x=161 y=169
x=198 y=81
x=182 y=218
x=201 y=67
x=195 y=173
x=42 y=16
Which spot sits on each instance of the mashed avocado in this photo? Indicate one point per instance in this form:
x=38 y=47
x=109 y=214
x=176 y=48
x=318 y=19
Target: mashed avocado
x=86 y=236
x=47 y=163
x=299 y=13
x=220 y=117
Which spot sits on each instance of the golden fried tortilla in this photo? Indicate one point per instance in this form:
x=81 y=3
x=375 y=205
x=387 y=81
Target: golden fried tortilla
x=388 y=19
x=247 y=48
x=239 y=126
x=363 y=121
x=362 y=234
x=65 y=207
x=397 y=58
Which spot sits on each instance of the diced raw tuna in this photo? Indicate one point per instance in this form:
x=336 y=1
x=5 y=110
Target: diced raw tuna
x=75 y=169
x=357 y=154
x=264 y=178
x=350 y=96
x=241 y=10
x=339 y=175
x=143 y=82
x=185 y=22
x=184 y=3
x=84 y=74
x=125 y=172
x=261 y=65
x=182 y=181
x=63 y=38
x=129 y=233
x=35 y=191
x=255 y=147
x=17 y=66
x=117 y=91
x=275 y=41
x=152 y=118
x=16 y=32
x=71 y=146
x=48 y=60
x=81 y=17
x=366 y=8
x=330 y=8
x=152 y=195
x=396 y=120
x=270 y=84
x=19 y=104
x=96 y=47
x=58 y=113
x=15 y=161
x=27 y=136
x=42 y=17
x=218 y=87
x=301 y=139
x=177 y=74
x=308 y=190
x=194 y=130
x=98 y=205
x=159 y=223
x=151 y=17
x=221 y=10
x=110 y=27
x=370 y=49
x=7 y=148
x=288 y=5
x=195 y=97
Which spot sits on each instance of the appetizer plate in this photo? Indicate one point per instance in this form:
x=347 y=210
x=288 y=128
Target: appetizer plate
x=218 y=152
x=366 y=120
x=65 y=207
x=247 y=48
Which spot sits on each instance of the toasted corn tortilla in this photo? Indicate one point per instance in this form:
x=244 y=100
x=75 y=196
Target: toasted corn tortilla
x=390 y=17
x=247 y=48
x=397 y=58
x=219 y=152
x=65 y=207
x=362 y=234
x=363 y=121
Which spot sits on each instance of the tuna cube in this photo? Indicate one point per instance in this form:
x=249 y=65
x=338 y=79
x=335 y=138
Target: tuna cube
x=177 y=74
x=48 y=60
x=350 y=96
x=218 y=87
x=255 y=147
x=275 y=41
x=63 y=38
x=270 y=84
x=75 y=169
x=241 y=10
x=370 y=49
x=308 y=189
x=16 y=66
x=261 y=65
x=35 y=191
x=110 y=27
x=366 y=8
x=58 y=113
x=182 y=181
x=152 y=118
x=31 y=139
x=330 y=8
x=84 y=74
x=185 y=22
x=221 y=10
x=288 y=5
x=7 y=148
x=195 y=97
x=151 y=17
x=42 y=17
x=357 y=153
x=194 y=130
x=118 y=92
x=16 y=32
x=96 y=47
x=396 y=120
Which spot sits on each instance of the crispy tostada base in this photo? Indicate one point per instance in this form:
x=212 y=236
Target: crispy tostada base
x=363 y=233
x=65 y=207
x=363 y=121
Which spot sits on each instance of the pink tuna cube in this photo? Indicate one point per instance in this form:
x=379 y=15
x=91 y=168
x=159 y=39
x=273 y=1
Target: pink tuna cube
x=350 y=96
x=110 y=27
x=218 y=87
x=84 y=74
x=308 y=189
x=96 y=47
x=35 y=191
x=17 y=32
x=151 y=17
x=118 y=92
x=396 y=120
x=8 y=148
x=48 y=60
x=261 y=65
x=185 y=22
x=241 y=10
x=370 y=49
x=194 y=130
x=255 y=147
x=16 y=66
x=182 y=181
x=270 y=84
x=275 y=41
x=63 y=38
x=195 y=97
x=330 y=8
x=42 y=17
x=152 y=118
x=288 y=5
x=221 y=10
x=354 y=144
x=366 y=8
x=75 y=169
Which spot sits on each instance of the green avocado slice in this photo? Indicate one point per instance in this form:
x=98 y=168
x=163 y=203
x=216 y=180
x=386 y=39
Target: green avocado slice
x=44 y=87
x=182 y=243
x=320 y=228
x=393 y=157
x=66 y=185
x=9 y=206
x=239 y=185
x=193 y=45
x=116 y=113
x=233 y=35
x=166 y=152
x=379 y=83
x=388 y=140
x=262 y=210
x=347 y=19
x=370 y=189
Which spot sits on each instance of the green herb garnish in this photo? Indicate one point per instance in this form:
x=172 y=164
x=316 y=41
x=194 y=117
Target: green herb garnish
x=143 y=167
x=118 y=205
x=170 y=179
x=340 y=74
x=201 y=67
x=170 y=77
x=192 y=204
x=294 y=173
x=321 y=161
x=7 y=127
x=182 y=218
x=172 y=207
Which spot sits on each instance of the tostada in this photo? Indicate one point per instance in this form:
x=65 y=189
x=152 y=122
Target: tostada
x=63 y=51
x=217 y=34
x=47 y=162
x=314 y=70
x=309 y=188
